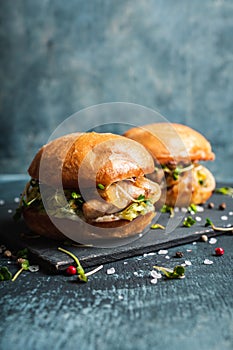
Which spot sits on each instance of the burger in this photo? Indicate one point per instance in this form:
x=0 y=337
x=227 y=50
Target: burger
x=92 y=185
x=177 y=151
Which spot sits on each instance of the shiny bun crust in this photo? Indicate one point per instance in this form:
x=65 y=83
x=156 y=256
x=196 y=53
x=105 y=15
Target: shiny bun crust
x=40 y=223
x=107 y=157
x=167 y=141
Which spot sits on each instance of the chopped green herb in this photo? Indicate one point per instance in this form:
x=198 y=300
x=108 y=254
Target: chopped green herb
x=176 y=174
x=141 y=198
x=101 y=187
x=167 y=209
x=156 y=226
x=80 y=270
x=177 y=272
x=225 y=190
x=189 y=221
x=75 y=195
x=201 y=182
x=5 y=274
x=192 y=208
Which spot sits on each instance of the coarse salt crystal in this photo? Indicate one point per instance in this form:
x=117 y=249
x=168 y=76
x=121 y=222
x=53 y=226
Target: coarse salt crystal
x=188 y=263
x=148 y=254
x=212 y=240
x=199 y=209
x=176 y=209
x=194 y=243
x=162 y=252
x=9 y=211
x=189 y=250
x=231 y=213
x=167 y=257
x=120 y=297
x=208 y=262
x=34 y=268
x=135 y=273
x=198 y=218
x=111 y=271
x=224 y=217
x=2 y=202
x=155 y=274
x=125 y=262
x=184 y=210
x=154 y=281
x=16 y=199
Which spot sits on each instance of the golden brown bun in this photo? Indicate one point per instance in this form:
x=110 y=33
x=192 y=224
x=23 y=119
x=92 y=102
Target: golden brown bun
x=161 y=140
x=40 y=223
x=107 y=158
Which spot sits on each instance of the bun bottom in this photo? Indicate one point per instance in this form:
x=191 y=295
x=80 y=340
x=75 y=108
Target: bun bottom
x=40 y=223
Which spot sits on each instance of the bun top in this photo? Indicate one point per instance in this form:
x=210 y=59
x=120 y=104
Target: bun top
x=87 y=157
x=170 y=141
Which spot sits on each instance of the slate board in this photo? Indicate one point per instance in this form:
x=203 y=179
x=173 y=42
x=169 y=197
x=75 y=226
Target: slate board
x=45 y=252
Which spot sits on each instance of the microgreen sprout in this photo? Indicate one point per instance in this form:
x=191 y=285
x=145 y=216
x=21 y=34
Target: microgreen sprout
x=177 y=272
x=80 y=271
x=24 y=266
x=215 y=228
x=156 y=226
x=189 y=221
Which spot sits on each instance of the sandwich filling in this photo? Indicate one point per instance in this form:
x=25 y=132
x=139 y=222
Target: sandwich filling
x=193 y=179
x=123 y=200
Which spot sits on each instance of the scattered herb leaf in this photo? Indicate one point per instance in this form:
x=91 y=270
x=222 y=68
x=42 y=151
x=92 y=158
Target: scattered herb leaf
x=189 y=221
x=225 y=190
x=177 y=272
x=5 y=274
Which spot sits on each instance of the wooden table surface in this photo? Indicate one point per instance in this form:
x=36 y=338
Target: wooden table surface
x=124 y=310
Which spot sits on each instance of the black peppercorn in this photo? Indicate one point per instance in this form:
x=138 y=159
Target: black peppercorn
x=222 y=206
x=211 y=205
x=179 y=254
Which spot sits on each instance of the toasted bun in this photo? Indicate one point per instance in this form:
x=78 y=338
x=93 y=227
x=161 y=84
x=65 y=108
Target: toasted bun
x=40 y=223
x=167 y=141
x=106 y=158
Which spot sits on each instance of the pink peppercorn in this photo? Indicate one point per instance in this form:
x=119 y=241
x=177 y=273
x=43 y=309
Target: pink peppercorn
x=219 y=251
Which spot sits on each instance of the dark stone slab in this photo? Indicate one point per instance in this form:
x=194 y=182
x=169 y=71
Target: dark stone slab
x=45 y=251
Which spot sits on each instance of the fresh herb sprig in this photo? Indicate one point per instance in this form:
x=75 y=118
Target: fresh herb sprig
x=80 y=271
x=177 y=272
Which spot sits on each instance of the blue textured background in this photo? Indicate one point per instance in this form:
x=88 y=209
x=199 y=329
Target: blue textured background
x=58 y=57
